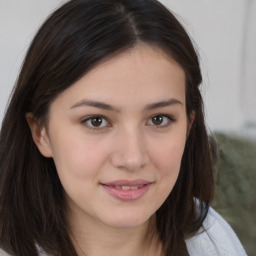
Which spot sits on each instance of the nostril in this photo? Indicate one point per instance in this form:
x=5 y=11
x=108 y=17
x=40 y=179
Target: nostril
x=130 y=151
x=133 y=161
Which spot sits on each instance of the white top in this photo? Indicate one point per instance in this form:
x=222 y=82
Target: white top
x=218 y=239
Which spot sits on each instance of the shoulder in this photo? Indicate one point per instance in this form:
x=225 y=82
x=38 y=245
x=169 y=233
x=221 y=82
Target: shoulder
x=2 y=253
x=215 y=238
x=40 y=252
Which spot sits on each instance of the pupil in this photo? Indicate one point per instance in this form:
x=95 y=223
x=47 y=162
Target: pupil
x=96 y=121
x=157 y=120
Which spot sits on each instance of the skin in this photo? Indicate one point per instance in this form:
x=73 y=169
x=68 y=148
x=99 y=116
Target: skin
x=127 y=145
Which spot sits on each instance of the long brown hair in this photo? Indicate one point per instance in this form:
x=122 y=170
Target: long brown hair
x=73 y=40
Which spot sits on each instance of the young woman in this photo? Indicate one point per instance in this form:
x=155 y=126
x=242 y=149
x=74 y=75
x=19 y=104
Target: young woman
x=103 y=147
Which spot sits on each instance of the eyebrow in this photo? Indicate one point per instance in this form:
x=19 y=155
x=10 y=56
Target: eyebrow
x=95 y=104
x=105 y=106
x=161 y=104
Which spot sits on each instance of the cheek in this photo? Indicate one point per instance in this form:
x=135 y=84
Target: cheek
x=78 y=165
x=76 y=157
x=167 y=160
x=167 y=157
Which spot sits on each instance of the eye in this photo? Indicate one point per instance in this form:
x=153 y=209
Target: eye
x=96 y=122
x=160 y=120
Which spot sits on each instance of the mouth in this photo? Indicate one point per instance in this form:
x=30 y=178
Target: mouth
x=127 y=190
x=127 y=187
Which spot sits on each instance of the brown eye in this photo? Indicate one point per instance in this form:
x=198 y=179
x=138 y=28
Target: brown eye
x=157 y=120
x=95 y=122
x=160 y=121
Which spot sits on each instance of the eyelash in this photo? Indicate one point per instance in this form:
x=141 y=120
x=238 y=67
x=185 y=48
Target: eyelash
x=90 y=119
x=169 y=120
x=85 y=121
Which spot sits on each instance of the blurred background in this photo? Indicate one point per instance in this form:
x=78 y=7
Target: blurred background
x=224 y=32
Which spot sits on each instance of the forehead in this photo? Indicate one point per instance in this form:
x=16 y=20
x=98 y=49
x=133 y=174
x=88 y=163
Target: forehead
x=142 y=74
x=140 y=59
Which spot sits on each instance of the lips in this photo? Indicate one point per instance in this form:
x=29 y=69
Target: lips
x=127 y=190
x=127 y=187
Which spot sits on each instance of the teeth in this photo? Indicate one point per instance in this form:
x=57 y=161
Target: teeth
x=125 y=187
x=128 y=187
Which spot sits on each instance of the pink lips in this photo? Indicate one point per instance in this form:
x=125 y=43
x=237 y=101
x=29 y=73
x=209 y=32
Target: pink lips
x=127 y=190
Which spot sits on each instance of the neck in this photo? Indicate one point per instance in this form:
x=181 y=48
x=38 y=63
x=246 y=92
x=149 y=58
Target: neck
x=94 y=239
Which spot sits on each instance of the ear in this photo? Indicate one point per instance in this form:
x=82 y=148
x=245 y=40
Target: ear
x=39 y=136
x=191 y=119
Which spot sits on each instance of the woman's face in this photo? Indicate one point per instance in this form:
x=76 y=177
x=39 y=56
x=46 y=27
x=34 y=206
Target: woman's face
x=117 y=137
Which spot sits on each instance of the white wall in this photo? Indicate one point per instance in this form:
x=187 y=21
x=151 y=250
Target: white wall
x=225 y=33
x=19 y=19
x=222 y=29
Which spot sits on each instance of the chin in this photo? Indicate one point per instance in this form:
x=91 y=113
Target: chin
x=127 y=220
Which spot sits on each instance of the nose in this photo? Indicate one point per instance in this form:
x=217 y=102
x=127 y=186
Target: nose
x=130 y=151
